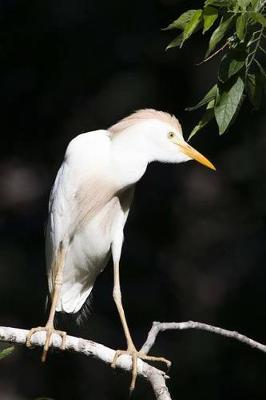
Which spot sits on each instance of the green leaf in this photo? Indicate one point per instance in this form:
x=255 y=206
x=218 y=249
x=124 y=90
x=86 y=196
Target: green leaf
x=243 y=4
x=207 y=117
x=181 y=21
x=6 y=352
x=217 y=3
x=210 y=14
x=256 y=4
x=206 y=99
x=228 y=104
x=241 y=26
x=254 y=90
x=192 y=25
x=176 y=42
x=231 y=64
x=259 y=18
x=219 y=33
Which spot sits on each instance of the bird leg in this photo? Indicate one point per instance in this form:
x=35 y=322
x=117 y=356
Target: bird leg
x=131 y=349
x=57 y=266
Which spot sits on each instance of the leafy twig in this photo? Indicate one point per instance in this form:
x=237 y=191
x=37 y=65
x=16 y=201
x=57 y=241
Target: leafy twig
x=238 y=26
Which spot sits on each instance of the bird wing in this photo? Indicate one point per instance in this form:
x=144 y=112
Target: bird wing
x=82 y=187
x=97 y=246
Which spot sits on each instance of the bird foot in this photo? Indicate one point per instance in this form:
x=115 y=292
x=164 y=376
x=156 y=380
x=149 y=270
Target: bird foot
x=131 y=351
x=49 y=332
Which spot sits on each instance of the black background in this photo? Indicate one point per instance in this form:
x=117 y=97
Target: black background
x=195 y=240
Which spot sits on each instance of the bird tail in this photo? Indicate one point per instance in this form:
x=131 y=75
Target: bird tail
x=79 y=318
x=73 y=296
x=82 y=316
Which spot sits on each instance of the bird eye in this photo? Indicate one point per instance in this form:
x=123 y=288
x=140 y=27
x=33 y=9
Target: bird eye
x=171 y=135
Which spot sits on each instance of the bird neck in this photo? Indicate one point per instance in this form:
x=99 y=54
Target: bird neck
x=128 y=159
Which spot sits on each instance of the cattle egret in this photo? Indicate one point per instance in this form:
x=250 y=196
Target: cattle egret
x=89 y=205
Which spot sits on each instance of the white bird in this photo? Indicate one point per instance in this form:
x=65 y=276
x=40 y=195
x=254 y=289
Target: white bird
x=89 y=205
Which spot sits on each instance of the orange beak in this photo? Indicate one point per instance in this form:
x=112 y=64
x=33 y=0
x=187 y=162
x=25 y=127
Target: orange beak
x=195 y=155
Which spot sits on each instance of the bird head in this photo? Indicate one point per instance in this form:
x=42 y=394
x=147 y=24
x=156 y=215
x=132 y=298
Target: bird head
x=157 y=136
x=173 y=148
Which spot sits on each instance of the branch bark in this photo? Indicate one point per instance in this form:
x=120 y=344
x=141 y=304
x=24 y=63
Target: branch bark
x=164 y=326
x=154 y=376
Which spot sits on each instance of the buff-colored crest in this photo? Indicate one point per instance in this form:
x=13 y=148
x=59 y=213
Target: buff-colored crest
x=142 y=115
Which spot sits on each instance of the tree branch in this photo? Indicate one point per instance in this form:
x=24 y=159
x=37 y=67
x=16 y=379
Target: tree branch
x=154 y=376
x=164 y=326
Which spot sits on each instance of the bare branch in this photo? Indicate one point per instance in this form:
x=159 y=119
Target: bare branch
x=164 y=326
x=154 y=376
x=89 y=348
x=213 y=54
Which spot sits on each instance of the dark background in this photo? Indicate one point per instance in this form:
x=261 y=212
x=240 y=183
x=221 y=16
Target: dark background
x=195 y=240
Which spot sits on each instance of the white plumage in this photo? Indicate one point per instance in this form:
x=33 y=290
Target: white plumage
x=81 y=200
x=89 y=205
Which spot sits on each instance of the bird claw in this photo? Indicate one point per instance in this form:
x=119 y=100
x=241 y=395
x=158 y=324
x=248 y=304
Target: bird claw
x=49 y=332
x=131 y=351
